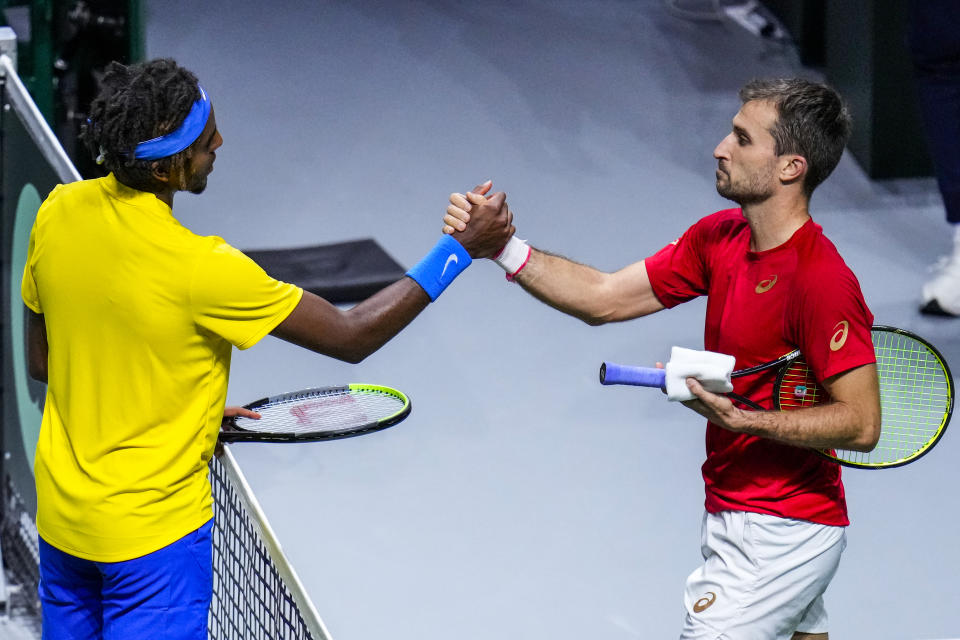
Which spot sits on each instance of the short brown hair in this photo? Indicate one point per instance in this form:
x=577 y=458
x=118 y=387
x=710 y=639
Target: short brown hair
x=812 y=121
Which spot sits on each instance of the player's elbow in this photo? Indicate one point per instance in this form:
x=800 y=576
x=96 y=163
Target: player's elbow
x=601 y=310
x=872 y=437
x=353 y=357
x=868 y=434
x=37 y=370
x=594 y=320
x=356 y=346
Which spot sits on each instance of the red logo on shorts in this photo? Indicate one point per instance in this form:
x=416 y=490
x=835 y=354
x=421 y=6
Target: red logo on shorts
x=704 y=603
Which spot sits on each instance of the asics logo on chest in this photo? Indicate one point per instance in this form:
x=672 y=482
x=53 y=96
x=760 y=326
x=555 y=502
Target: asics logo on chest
x=766 y=285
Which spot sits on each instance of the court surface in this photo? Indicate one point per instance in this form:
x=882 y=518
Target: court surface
x=521 y=499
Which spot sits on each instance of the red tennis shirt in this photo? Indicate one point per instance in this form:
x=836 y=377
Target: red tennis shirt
x=761 y=305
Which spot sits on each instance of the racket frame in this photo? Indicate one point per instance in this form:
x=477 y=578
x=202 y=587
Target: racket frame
x=944 y=422
x=231 y=432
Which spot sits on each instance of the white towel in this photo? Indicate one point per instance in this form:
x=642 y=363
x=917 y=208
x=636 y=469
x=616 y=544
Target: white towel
x=711 y=369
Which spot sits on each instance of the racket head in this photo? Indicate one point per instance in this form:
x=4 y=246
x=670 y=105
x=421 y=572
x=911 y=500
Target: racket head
x=916 y=399
x=321 y=413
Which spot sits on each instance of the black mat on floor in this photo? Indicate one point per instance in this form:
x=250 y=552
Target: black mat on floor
x=340 y=272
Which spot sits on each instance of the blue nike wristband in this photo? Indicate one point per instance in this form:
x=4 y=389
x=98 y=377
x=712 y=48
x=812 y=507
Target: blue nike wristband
x=438 y=268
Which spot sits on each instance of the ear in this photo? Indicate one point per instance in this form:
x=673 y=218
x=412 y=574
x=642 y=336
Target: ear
x=160 y=173
x=792 y=168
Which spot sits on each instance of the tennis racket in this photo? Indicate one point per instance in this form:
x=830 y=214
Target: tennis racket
x=916 y=395
x=327 y=413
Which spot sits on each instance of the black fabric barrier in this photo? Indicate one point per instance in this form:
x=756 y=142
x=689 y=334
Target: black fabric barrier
x=341 y=272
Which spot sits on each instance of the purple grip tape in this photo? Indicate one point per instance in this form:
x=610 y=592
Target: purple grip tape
x=612 y=373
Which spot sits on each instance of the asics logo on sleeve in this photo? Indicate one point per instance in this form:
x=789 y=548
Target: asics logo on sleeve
x=766 y=285
x=704 y=603
x=839 y=335
x=451 y=258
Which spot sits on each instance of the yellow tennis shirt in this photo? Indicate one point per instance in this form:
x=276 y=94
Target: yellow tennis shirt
x=141 y=317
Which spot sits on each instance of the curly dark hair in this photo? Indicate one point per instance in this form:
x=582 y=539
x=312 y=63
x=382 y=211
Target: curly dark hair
x=812 y=121
x=137 y=103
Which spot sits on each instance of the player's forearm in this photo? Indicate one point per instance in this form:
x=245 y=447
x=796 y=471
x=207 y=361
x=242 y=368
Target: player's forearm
x=837 y=425
x=376 y=320
x=353 y=334
x=593 y=296
x=563 y=284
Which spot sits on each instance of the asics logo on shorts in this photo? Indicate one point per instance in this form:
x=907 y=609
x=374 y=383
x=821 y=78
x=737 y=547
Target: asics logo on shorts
x=766 y=285
x=704 y=603
x=451 y=258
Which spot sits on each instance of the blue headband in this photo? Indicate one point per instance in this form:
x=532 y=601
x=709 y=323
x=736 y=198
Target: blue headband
x=178 y=140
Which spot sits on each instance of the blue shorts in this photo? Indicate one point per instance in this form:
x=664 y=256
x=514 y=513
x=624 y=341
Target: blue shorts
x=164 y=594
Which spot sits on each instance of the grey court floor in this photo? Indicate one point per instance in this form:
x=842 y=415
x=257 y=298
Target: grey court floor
x=521 y=499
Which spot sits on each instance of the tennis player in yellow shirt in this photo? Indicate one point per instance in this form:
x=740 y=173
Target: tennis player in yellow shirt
x=133 y=319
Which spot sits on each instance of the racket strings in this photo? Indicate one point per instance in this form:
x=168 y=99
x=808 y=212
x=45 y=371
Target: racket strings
x=322 y=411
x=915 y=397
x=799 y=388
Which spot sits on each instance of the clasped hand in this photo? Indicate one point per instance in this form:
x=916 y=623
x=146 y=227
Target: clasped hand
x=474 y=213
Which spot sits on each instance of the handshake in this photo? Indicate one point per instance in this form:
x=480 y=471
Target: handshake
x=484 y=226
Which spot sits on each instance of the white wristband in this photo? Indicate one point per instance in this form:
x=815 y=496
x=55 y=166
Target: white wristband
x=513 y=257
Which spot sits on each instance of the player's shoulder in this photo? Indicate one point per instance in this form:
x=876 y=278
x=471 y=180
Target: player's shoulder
x=818 y=252
x=822 y=265
x=725 y=224
x=63 y=193
x=219 y=251
x=64 y=200
x=218 y=245
x=725 y=218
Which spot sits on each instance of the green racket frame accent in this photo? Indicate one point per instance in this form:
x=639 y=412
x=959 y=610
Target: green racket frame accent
x=393 y=419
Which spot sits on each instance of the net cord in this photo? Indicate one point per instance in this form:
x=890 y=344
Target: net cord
x=259 y=519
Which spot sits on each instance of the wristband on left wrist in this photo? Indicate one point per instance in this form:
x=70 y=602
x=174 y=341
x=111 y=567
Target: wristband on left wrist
x=440 y=266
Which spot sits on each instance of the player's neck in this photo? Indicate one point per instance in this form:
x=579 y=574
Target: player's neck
x=166 y=197
x=773 y=221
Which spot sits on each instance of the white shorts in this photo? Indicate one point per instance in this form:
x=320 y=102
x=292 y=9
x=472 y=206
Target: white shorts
x=763 y=577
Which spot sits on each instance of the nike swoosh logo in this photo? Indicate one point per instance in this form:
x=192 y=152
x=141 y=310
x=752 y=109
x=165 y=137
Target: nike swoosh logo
x=451 y=258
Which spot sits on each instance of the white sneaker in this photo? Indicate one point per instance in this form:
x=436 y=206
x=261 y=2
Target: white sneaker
x=941 y=295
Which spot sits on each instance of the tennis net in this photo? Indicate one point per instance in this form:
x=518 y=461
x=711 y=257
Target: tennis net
x=256 y=593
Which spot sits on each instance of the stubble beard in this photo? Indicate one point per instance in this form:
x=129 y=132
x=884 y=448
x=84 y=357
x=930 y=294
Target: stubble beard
x=755 y=189
x=197 y=184
x=198 y=188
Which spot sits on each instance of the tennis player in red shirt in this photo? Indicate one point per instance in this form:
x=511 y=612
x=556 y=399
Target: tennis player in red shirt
x=775 y=514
